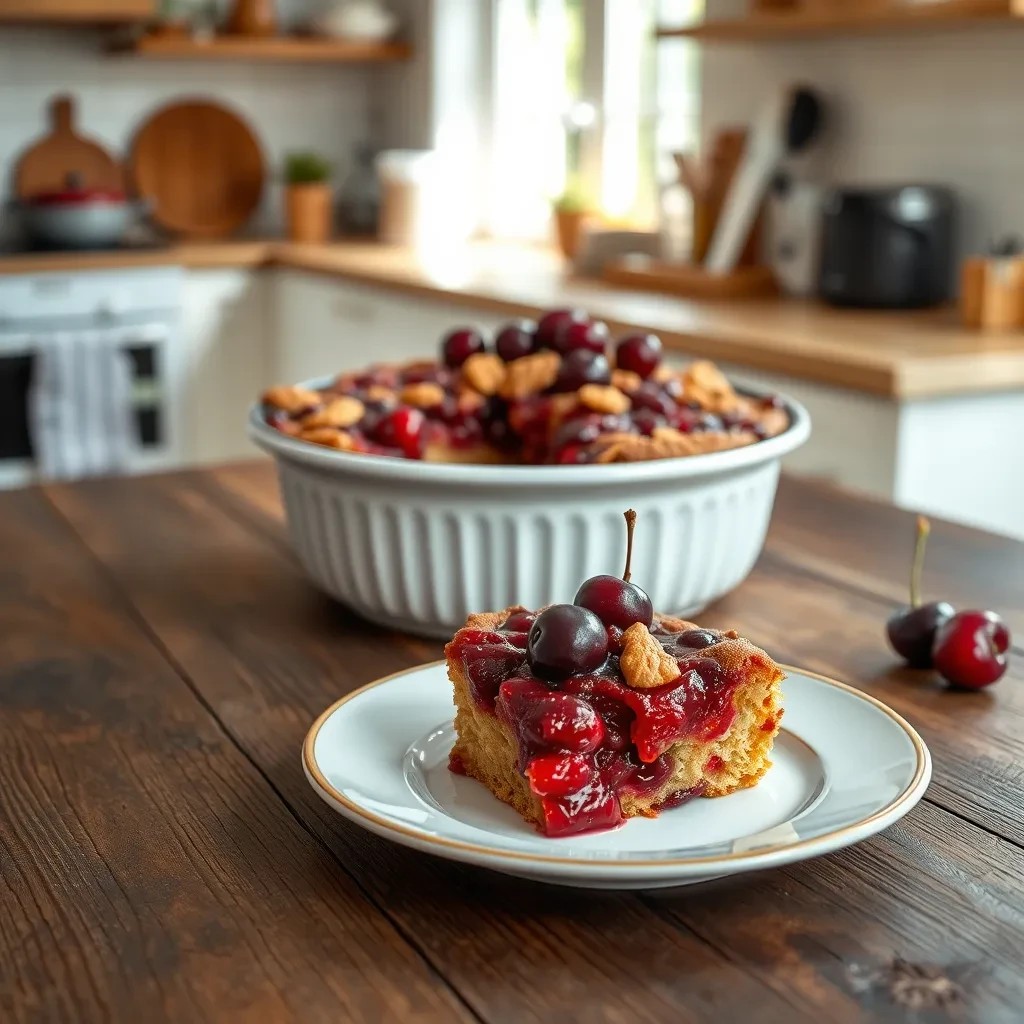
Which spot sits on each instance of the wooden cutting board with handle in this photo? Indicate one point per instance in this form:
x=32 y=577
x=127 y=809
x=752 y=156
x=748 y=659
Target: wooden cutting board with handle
x=46 y=165
x=200 y=166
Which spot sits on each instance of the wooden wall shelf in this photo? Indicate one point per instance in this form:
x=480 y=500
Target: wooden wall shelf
x=905 y=16
x=276 y=48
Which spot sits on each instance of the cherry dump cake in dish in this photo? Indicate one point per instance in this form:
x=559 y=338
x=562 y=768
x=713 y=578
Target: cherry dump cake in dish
x=583 y=715
x=559 y=392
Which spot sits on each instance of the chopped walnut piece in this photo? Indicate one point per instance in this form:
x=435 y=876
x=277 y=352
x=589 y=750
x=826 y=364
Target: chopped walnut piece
x=644 y=662
x=484 y=372
x=330 y=437
x=291 y=399
x=531 y=374
x=468 y=400
x=379 y=393
x=705 y=383
x=339 y=412
x=626 y=380
x=603 y=398
x=424 y=395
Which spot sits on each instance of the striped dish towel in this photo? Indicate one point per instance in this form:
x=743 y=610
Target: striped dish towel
x=80 y=404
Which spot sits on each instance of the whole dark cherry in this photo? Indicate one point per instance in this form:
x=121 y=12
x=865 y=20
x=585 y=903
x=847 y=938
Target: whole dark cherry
x=516 y=340
x=639 y=353
x=650 y=396
x=617 y=602
x=460 y=344
x=591 y=335
x=566 y=640
x=551 y=322
x=402 y=429
x=911 y=630
x=579 y=367
x=696 y=638
x=971 y=649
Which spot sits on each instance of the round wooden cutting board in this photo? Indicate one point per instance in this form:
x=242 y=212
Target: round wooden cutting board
x=46 y=165
x=200 y=166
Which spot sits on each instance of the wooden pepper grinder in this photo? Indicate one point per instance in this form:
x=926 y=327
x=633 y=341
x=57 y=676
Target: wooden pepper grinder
x=992 y=288
x=252 y=18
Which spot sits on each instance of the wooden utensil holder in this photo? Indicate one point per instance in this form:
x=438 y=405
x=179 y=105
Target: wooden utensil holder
x=992 y=292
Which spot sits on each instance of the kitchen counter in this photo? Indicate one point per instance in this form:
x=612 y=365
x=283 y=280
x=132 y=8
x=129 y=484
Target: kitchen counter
x=169 y=861
x=897 y=355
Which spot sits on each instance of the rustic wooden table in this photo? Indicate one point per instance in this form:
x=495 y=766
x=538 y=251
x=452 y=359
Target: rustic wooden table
x=164 y=859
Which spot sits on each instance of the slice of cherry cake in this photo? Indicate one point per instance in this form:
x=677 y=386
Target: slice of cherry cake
x=583 y=715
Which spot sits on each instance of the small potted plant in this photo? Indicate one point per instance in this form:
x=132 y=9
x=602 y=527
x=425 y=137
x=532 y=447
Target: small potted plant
x=308 y=197
x=571 y=212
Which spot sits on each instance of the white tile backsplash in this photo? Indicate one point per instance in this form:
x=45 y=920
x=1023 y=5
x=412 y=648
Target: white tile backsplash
x=288 y=106
x=928 y=106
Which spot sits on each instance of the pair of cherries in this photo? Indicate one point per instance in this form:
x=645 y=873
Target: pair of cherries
x=968 y=649
x=571 y=639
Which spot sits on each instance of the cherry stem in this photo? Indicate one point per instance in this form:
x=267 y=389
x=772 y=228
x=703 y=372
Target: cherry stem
x=630 y=526
x=923 y=529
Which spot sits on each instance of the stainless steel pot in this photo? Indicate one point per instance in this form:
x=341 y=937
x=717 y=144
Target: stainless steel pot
x=78 y=218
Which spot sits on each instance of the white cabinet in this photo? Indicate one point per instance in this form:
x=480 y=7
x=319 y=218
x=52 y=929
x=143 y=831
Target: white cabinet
x=324 y=325
x=226 y=324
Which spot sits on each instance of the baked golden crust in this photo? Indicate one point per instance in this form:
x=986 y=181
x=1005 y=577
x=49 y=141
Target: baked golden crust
x=486 y=749
x=598 y=423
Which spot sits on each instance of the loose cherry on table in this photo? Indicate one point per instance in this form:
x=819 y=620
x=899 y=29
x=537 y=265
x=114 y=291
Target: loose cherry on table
x=912 y=630
x=460 y=344
x=639 y=353
x=617 y=602
x=970 y=649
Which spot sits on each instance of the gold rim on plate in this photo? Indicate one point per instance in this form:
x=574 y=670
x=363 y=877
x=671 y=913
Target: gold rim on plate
x=313 y=770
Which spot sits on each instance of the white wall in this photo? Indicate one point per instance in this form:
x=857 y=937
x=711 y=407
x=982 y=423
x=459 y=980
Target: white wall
x=937 y=106
x=288 y=106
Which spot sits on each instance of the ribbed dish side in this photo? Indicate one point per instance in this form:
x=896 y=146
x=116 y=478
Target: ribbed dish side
x=422 y=564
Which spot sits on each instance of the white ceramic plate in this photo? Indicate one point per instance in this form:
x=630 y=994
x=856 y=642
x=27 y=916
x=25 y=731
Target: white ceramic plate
x=845 y=767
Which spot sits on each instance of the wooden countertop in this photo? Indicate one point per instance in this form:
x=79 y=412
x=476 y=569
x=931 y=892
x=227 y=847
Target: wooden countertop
x=169 y=862
x=897 y=355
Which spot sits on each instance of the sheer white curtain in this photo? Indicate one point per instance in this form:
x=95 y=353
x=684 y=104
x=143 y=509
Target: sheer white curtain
x=554 y=59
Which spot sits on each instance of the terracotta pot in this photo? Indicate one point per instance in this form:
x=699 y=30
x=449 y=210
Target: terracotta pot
x=310 y=212
x=569 y=227
x=252 y=18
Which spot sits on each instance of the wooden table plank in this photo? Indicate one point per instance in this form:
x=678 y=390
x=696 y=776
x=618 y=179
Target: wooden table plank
x=148 y=871
x=268 y=653
x=867 y=545
x=827 y=951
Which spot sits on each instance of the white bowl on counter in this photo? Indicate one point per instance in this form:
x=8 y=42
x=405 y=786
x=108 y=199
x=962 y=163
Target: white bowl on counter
x=417 y=546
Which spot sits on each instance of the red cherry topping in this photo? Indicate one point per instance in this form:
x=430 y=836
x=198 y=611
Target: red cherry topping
x=566 y=640
x=617 y=602
x=558 y=774
x=516 y=340
x=563 y=721
x=591 y=335
x=551 y=323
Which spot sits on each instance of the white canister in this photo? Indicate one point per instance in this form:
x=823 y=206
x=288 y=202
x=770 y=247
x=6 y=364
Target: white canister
x=405 y=188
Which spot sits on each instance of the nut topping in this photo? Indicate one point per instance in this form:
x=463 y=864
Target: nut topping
x=339 y=412
x=484 y=372
x=603 y=398
x=291 y=399
x=425 y=395
x=531 y=374
x=644 y=662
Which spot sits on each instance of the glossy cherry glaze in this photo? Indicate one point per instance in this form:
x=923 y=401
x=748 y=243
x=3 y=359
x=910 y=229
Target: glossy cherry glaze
x=589 y=739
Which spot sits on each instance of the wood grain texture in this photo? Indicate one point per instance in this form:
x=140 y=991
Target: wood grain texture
x=845 y=938
x=47 y=164
x=71 y=11
x=201 y=167
x=147 y=870
x=290 y=49
x=848 y=19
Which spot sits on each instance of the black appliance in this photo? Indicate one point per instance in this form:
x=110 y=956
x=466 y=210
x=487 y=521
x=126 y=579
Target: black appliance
x=889 y=248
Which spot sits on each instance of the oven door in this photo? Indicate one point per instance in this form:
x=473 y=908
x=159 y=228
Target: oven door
x=154 y=402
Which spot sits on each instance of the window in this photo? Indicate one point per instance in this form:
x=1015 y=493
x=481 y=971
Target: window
x=587 y=100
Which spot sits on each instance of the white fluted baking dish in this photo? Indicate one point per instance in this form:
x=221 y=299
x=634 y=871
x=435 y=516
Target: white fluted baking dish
x=418 y=545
